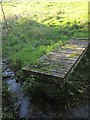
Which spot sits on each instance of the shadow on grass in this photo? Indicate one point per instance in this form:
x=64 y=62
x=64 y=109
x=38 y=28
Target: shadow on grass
x=28 y=40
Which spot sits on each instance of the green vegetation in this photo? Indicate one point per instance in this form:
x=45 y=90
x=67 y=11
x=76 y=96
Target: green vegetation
x=35 y=28
x=74 y=92
x=7 y=104
x=74 y=55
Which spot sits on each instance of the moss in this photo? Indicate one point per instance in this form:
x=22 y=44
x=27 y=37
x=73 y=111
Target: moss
x=73 y=55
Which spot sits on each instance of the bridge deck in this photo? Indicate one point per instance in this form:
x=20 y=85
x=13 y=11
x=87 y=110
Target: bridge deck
x=57 y=65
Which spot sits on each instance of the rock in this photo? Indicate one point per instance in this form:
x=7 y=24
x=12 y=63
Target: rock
x=4 y=67
x=7 y=73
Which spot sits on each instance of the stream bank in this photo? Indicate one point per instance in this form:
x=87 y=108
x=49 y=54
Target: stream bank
x=38 y=108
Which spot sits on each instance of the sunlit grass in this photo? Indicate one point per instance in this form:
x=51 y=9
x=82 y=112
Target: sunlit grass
x=36 y=28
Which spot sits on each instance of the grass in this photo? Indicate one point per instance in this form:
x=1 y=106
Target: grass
x=35 y=28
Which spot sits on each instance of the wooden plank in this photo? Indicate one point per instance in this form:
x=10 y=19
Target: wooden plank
x=56 y=66
x=76 y=62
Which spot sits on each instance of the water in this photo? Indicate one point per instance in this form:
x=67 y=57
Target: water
x=24 y=107
x=38 y=108
x=21 y=101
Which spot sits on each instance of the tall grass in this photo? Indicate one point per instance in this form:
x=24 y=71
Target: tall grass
x=36 y=28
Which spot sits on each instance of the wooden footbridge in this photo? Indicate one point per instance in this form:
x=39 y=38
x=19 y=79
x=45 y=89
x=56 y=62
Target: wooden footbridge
x=57 y=65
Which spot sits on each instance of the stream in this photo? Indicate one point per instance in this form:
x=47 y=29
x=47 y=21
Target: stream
x=21 y=100
x=37 y=108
